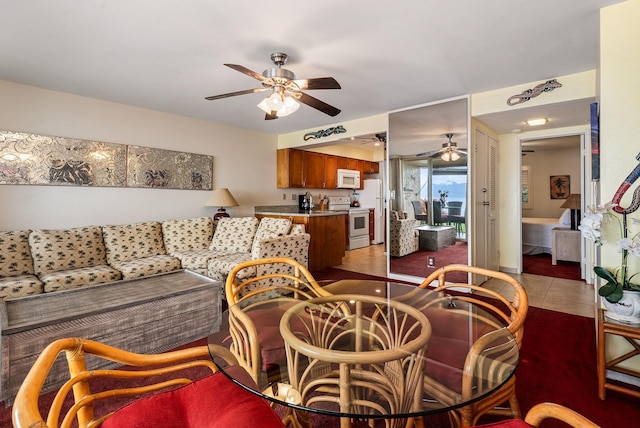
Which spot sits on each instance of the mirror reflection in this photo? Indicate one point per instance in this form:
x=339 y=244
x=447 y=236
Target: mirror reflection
x=428 y=209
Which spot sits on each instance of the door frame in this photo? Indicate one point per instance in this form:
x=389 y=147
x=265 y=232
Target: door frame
x=586 y=198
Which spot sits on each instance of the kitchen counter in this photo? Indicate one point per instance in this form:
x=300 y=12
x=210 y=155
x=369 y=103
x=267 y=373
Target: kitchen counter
x=290 y=210
x=327 y=229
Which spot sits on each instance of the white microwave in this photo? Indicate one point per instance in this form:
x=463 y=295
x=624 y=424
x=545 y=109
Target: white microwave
x=348 y=179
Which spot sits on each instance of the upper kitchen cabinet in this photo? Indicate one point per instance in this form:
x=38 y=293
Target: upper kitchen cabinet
x=304 y=169
x=312 y=170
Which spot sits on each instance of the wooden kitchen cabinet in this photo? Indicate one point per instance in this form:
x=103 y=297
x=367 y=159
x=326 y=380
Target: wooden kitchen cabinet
x=330 y=172
x=371 y=167
x=304 y=169
x=326 y=247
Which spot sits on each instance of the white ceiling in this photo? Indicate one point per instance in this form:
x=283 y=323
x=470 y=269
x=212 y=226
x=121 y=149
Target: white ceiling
x=168 y=55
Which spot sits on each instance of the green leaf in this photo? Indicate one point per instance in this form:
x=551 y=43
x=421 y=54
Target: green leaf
x=608 y=288
x=616 y=295
x=605 y=274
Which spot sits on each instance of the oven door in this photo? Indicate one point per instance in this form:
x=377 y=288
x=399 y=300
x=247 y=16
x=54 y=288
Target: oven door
x=358 y=224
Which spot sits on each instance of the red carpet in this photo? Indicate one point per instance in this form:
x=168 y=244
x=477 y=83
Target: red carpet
x=540 y=264
x=558 y=364
x=415 y=264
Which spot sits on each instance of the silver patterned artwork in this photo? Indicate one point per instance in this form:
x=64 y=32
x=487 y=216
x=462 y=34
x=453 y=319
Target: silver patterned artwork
x=41 y=159
x=167 y=169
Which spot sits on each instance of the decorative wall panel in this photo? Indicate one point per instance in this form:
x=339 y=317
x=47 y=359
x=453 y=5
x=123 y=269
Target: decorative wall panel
x=42 y=159
x=167 y=169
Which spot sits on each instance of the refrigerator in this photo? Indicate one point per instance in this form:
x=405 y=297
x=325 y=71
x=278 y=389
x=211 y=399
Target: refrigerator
x=372 y=196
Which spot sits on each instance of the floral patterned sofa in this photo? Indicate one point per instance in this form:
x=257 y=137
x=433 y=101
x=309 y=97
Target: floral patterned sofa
x=17 y=276
x=214 y=251
x=403 y=234
x=138 y=249
x=42 y=261
x=69 y=258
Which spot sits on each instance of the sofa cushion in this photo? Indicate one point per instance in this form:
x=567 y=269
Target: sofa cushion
x=196 y=260
x=147 y=266
x=220 y=266
x=60 y=250
x=234 y=235
x=19 y=286
x=15 y=254
x=191 y=234
x=210 y=402
x=127 y=242
x=269 y=228
x=74 y=278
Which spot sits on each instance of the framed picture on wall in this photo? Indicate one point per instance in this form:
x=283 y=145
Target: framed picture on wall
x=559 y=186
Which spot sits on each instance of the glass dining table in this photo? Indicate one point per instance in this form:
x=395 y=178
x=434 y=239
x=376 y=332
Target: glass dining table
x=369 y=350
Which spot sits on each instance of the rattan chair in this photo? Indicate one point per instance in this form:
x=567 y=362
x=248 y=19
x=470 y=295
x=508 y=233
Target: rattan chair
x=263 y=299
x=360 y=354
x=509 y=306
x=176 y=399
x=543 y=411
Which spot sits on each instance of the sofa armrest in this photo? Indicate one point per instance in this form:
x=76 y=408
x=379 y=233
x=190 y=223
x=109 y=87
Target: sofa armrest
x=295 y=247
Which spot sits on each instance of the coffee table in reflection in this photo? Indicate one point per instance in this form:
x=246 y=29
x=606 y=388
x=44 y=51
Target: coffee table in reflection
x=434 y=238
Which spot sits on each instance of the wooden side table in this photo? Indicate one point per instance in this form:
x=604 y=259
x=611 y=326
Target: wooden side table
x=632 y=335
x=565 y=245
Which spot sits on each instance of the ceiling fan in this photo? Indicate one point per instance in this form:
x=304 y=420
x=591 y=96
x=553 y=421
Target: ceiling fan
x=376 y=139
x=448 y=152
x=286 y=90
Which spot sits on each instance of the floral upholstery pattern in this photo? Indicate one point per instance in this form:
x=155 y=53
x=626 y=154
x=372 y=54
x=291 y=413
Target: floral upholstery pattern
x=146 y=266
x=220 y=266
x=70 y=258
x=191 y=234
x=138 y=249
x=188 y=240
x=234 y=235
x=17 y=277
x=269 y=228
x=90 y=275
x=19 y=286
x=403 y=234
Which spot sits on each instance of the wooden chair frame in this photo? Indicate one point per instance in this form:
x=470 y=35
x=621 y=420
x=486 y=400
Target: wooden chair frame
x=25 y=411
x=511 y=311
x=244 y=336
x=542 y=411
x=388 y=338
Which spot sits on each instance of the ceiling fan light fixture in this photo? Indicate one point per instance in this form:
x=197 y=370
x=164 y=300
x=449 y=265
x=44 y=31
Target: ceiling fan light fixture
x=446 y=156
x=283 y=106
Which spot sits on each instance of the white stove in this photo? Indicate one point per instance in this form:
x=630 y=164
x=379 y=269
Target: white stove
x=358 y=221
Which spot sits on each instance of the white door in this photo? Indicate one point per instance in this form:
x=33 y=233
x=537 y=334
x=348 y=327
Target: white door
x=484 y=194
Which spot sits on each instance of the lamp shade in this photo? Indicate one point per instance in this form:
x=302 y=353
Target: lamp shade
x=573 y=202
x=221 y=198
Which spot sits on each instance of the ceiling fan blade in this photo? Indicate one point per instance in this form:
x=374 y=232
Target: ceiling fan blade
x=246 y=71
x=317 y=104
x=233 y=94
x=318 y=83
x=271 y=116
x=430 y=154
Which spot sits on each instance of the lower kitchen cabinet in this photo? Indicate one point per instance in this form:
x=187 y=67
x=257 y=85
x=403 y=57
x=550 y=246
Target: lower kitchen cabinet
x=327 y=245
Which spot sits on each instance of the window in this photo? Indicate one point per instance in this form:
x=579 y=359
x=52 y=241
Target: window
x=525 y=187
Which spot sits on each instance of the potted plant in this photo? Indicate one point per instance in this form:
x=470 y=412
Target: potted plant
x=621 y=292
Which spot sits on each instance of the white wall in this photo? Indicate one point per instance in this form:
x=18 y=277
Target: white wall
x=544 y=164
x=244 y=161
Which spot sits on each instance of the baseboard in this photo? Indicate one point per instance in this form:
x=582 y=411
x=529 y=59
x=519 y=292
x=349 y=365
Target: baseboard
x=508 y=270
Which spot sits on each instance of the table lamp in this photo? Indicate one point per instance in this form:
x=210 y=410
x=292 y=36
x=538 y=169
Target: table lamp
x=221 y=198
x=573 y=202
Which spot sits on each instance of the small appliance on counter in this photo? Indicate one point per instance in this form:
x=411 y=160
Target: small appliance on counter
x=355 y=199
x=305 y=202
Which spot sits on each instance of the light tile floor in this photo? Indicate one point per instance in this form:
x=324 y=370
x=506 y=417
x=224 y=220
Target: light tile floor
x=556 y=294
